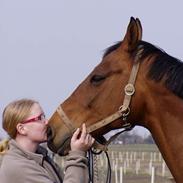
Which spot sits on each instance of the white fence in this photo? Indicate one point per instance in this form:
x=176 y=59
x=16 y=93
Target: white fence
x=134 y=163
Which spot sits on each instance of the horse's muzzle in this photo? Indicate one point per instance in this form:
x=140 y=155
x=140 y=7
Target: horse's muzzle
x=50 y=140
x=61 y=149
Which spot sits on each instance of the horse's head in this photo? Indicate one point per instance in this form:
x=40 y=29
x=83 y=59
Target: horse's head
x=101 y=93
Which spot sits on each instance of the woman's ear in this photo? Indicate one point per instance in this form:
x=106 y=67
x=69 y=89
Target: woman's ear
x=21 y=129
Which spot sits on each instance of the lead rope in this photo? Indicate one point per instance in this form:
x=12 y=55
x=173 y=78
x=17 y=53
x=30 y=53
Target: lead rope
x=108 y=180
x=92 y=156
x=93 y=168
x=90 y=166
x=95 y=171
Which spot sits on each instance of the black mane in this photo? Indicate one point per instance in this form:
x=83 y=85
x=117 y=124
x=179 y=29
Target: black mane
x=111 y=48
x=164 y=68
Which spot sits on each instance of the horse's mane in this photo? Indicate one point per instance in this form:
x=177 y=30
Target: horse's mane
x=164 y=68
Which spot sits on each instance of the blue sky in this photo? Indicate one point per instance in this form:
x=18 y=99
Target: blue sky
x=48 y=47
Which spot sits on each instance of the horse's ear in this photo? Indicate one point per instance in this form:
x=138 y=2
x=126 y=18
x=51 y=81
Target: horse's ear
x=139 y=28
x=133 y=35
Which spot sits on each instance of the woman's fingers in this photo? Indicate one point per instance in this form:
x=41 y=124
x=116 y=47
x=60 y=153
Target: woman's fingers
x=92 y=140
x=89 y=140
x=76 y=133
x=83 y=133
x=81 y=142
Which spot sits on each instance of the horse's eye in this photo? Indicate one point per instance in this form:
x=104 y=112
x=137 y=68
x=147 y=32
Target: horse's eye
x=97 y=79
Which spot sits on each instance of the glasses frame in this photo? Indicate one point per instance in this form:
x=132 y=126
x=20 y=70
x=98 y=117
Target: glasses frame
x=40 y=117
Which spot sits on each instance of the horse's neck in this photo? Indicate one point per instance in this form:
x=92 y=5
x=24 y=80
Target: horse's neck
x=165 y=122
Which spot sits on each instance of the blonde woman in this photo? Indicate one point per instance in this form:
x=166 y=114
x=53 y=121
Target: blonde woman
x=3 y=148
x=26 y=161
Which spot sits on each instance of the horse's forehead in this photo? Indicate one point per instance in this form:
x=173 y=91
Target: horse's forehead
x=107 y=66
x=114 y=58
x=117 y=59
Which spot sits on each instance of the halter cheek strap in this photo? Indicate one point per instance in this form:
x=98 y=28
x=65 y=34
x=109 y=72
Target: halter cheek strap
x=96 y=126
x=123 y=112
x=66 y=120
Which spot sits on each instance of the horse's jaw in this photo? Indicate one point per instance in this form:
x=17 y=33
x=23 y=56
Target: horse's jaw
x=62 y=148
x=59 y=143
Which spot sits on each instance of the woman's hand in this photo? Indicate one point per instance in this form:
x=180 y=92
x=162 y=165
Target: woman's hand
x=82 y=142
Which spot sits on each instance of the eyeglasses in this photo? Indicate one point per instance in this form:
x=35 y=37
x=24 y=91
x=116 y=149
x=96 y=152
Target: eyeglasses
x=41 y=117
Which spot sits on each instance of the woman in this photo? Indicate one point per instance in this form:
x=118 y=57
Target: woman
x=26 y=161
x=3 y=148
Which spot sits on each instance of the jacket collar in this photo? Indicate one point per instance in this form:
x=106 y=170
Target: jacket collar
x=38 y=157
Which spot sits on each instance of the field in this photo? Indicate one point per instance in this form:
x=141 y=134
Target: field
x=135 y=163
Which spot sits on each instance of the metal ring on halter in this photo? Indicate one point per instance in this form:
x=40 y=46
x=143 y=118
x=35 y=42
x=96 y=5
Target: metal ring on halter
x=129 y=89
x=125 y=113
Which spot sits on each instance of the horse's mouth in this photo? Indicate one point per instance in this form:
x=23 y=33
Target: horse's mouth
x=63 y=148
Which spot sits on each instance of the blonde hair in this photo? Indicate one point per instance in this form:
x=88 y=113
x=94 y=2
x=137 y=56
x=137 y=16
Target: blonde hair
x=14 y=113
x=4 y=146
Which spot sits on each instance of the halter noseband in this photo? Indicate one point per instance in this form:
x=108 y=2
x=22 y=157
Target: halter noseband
x=123 y=112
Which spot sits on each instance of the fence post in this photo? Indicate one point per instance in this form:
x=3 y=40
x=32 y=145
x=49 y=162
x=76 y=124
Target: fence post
x=137 y=166
x=150 y=166
x=153 y=174
x=121 y=175
x=163 y=168
x=116 y=173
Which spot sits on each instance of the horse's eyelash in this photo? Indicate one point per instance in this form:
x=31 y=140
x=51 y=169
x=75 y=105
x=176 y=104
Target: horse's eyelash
x=97 y=78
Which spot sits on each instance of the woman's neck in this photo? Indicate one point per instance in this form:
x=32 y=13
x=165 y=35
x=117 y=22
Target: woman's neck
x=26 y=144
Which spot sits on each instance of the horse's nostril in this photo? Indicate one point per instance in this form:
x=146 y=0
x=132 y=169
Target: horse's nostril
x=49 y=133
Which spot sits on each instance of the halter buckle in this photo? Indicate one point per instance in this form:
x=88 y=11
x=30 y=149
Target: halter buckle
x=129 y=89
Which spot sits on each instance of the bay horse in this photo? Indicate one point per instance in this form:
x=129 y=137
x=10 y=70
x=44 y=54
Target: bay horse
x=153 y=83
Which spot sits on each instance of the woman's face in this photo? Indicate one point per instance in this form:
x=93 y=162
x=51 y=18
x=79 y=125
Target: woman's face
x=36 y=125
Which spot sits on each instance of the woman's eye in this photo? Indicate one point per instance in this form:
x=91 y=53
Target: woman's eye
x=96 y=79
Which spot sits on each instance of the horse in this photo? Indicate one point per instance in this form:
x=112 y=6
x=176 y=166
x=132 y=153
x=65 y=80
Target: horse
x=136 y=84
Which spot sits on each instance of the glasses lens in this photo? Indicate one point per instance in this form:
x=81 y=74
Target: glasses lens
x=42 y=117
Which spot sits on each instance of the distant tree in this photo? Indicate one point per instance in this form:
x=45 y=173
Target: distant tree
x=129 y=138
x=149 y=140
x=132 y=137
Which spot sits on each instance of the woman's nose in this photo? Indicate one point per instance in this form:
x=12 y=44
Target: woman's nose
x=46 y=121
